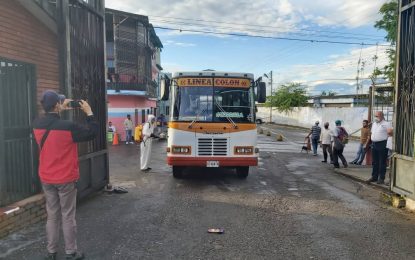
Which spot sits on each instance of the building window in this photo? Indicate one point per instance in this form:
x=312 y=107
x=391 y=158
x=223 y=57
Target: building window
x=167 y=110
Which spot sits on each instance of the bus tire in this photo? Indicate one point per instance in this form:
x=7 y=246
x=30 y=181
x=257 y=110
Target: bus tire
x=177 y=172
x=242 y=172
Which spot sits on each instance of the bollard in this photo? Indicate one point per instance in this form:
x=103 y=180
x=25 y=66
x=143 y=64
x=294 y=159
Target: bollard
x=260 y=131
x=268 y=133
x=280 y=138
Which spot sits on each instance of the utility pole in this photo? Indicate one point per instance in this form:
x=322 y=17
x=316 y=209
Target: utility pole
x=270 y=108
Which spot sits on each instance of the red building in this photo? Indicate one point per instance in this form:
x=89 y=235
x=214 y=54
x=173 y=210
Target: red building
x=133 y=67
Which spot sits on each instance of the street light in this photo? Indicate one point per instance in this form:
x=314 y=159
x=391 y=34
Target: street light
x=270 y=109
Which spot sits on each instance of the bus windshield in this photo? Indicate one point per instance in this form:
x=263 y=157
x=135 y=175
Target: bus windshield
x=213 y=104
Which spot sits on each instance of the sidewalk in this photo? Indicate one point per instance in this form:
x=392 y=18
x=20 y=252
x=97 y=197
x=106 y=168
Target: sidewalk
x=362 y=173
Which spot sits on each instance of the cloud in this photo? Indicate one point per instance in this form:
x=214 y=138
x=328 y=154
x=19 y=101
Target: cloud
x=270 y=17
x=180 y=44
x=338 y=69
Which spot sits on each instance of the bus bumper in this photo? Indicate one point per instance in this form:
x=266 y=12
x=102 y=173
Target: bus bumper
x=202 y=161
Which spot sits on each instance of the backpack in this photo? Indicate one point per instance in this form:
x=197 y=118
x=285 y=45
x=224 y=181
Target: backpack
x=343 y=135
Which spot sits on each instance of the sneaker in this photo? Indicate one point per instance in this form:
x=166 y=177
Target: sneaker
x=146 y=170
x=126 y=142
x=352 y=162
x=75 y=256
x=346 y=165
x=371 y=179
x=314 y=154
x=51 y=256
x=131 y=142
x=324 y=161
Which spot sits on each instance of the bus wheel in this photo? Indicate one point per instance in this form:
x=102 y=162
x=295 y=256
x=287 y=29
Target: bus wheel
x=177 y=172
x=242 y=172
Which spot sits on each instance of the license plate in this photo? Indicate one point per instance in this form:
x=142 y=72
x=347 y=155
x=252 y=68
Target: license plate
x=212 y=164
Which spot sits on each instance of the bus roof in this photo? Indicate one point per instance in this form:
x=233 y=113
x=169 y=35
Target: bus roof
x=211 y=73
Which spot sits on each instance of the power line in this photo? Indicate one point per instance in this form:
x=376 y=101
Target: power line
x=268 y=37
x=267 y=26
x=267 y=31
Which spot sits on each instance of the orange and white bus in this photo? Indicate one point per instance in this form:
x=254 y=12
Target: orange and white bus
x=212 y=120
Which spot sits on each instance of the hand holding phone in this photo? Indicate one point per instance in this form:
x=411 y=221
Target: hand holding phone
x=74 y=104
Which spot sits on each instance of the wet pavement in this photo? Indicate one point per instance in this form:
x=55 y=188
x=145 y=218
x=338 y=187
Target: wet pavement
x=291 y=206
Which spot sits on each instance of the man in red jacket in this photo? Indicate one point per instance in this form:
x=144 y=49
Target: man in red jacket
x=59 y=169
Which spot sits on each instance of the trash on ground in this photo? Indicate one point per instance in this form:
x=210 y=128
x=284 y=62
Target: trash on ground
x=120 y=190
x=216 y=230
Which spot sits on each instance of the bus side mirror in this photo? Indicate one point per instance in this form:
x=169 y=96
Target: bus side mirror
x=164 y=89
x=261 y=92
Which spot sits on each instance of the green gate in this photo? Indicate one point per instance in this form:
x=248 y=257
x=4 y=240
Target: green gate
x=18 y=172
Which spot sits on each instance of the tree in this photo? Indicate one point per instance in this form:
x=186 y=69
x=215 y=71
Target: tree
x=389 y=23
x=287 y=97
x=332 y=93
x=323 y=93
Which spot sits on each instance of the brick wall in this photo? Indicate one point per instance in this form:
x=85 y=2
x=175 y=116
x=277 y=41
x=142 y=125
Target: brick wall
x=25 y=38
x=21 y=214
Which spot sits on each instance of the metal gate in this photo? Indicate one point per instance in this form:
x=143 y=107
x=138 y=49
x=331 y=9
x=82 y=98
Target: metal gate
x=18 y=172
x=403 y=179
x=83 y=77
x=88 y=82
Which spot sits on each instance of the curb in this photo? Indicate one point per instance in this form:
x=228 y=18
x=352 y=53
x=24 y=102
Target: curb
x=380 y=187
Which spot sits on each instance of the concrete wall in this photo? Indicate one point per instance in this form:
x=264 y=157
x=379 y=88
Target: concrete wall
x=351 y=117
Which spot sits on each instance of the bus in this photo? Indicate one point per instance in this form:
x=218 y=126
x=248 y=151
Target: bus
x=212 y=120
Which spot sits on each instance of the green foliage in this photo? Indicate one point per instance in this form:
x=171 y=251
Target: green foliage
x=389 y=23
x=323 y=93
x=287 y=97
x=331 y=93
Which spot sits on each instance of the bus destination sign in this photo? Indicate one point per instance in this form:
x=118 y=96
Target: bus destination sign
x=217 y=82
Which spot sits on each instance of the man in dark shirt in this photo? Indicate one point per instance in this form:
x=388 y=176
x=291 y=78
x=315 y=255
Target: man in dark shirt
x=315 y=132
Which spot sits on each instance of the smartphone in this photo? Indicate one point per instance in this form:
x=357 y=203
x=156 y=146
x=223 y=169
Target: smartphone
x=74 y=103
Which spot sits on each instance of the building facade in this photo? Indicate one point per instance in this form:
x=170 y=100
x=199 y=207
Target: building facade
x=133 y=68
x=45 y=45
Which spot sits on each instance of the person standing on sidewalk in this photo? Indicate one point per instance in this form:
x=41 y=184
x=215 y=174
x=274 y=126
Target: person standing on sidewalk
x=128 y=126
x=364 y=143
x=379 y=137
x=315 y=132
x=325 y=140
x=340 y=136
x=59 y=168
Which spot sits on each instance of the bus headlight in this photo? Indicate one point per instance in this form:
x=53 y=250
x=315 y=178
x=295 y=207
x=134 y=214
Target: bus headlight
x=181 y=149
x=244 y=150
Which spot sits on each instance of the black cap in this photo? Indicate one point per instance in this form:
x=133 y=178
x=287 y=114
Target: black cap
x=50 y=98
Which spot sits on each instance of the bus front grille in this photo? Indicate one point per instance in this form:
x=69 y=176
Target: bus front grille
x=212 y=146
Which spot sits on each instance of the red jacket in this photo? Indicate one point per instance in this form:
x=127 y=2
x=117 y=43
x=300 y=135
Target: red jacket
x=58 y=158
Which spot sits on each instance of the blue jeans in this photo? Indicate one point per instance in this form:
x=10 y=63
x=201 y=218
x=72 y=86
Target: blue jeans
x=315 y=145
x=361 y=153
x=128 y=135
x=379 y=155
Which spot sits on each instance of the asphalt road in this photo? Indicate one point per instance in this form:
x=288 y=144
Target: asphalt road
x=290 y=207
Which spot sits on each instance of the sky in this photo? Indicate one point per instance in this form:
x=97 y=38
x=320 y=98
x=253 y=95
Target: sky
x=206 y=35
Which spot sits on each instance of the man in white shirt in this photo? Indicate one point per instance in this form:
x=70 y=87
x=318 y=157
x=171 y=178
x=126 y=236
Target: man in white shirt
x=325 y=140
x=379 y=139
